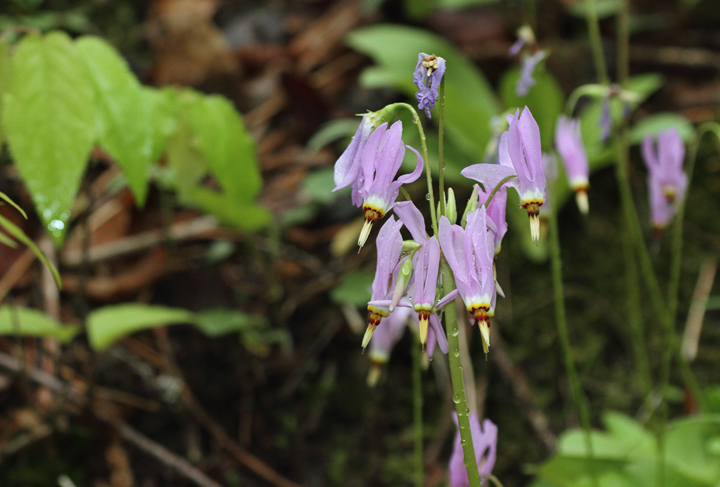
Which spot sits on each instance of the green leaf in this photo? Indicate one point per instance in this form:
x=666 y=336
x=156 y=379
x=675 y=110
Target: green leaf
x=163 y=105
x=49 y=122
x=18 y=321
x=4 y=239
x=240 y=214
x=658 y=122
x=545 y=100
x=354 y=289
x=16 y=232
x=185 y=158
x=318 y=186
x=228 y=148
x=469 y=99
x=219 y=322
x=13 y=204
x=4 y=72
x=123 y=114
x=687 y=448
x=332 y=131
x=108 y=324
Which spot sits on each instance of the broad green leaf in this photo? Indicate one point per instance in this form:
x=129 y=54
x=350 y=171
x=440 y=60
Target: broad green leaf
x=108 y=324
x=318 y=186
x=354 y=289
x=18 y=321
x=638 y=441
x=653 y=124
x=219 y=322
x=568 y=470
x=469 y=99
x=4 y=71
x=184 y=156
x=163 y=110
x=13 y=204
x=123 y=114
x=50 y=124
x=228 y=148
x=248 y=216
x=332 y=131
x=16 y=232
x=687 y=448
x=545 y=100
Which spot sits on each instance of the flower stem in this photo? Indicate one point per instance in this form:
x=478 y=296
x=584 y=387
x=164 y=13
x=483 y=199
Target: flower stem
x=496 y=482
x=560 y=320
x=423 y=142
x=596 y=41
x=417 y=413
x=452 y=328
x=441 y=148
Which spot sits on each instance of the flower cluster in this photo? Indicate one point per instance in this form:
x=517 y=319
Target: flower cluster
x=667 y=182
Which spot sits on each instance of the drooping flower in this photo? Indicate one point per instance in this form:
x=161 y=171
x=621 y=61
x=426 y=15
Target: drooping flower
x=496 y=212
x=469 y=253
x=485 y=444
x=426 y=263
x=384 y=339
x=348 y=168
x=381 y=159
x=389 y=246
x=427 y=76
x=569 y=144
x=520 y=155
x=666 y=180
x=526 y=80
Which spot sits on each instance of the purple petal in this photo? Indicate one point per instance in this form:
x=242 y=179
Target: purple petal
x=388 y=333
x=489 y=174
x=412 y=219
x=347 y=167
x=437 y=334
x=389 y=246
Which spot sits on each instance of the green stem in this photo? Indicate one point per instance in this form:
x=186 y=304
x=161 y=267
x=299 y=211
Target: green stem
x=596 y=41
x=417 y=413
x=461 y=407
x=441 y=157
x=423 y=142
x=492 y=479
x=497 y=188
x=560 y=320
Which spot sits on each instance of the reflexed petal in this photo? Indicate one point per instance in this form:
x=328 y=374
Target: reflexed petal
x=412 y=219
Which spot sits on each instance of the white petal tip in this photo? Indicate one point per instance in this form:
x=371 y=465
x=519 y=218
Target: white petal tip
x=485 y=334
x=581 y=199
x=535 y=227
x=424 y=321
x=364 y=233
x=368 y=335
x=499 y=290
x=373 y=375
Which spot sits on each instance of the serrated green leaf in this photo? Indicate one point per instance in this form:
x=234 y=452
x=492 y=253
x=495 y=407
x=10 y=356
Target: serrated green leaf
x=658 y=122
x=123 y=114
x=545 y=100
x=218 y=322
x=18 y=321
x=470 y=102
x=50 y=124
x=108 y=324
x=228 y=148
x=16 y=232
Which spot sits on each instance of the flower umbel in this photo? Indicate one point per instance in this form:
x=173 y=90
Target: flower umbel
x=485 y=443
x=568 y=143
x=427 y=76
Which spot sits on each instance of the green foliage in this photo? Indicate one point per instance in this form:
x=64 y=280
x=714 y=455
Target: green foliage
x=354 y=289
x=16 y=232
x=652 y=124
x=123 y=118
x=18 y=321
x=63 y=96
x=110 y=323
x=627 y=456
x=49 y=123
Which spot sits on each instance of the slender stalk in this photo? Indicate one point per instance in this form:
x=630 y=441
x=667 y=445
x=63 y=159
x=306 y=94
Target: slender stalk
x=423 y=142
x=452 y=328
x=596 y=41
x=561 y=322
x=417 y=413
x=441 y=148
x=497 y=188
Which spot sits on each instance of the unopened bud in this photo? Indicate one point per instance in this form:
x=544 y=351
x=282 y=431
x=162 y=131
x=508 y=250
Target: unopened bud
x=451 y=207
x=410 y=245
x=403 y=280
x=472 y=204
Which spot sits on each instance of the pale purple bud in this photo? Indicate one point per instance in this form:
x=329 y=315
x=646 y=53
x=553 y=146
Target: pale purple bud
x=485 y=444
x=526 y=80
x=427 y=76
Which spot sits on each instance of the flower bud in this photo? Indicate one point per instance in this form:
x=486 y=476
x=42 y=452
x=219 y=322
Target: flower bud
x=403 y=280
x=472 y=205
x=451 y=207
x=410 y=245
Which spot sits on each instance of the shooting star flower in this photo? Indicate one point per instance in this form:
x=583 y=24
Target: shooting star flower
x=569 y=144
x=485 y=444
x=427 y=76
